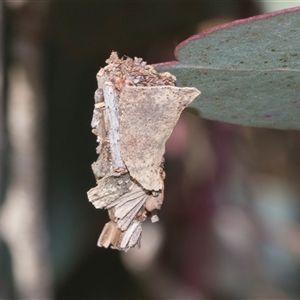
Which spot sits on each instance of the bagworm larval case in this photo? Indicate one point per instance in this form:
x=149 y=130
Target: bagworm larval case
x=135 y=112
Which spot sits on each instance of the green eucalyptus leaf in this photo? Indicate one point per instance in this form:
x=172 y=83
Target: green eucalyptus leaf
x=248 y=71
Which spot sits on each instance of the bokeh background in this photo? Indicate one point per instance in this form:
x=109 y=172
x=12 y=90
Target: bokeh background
x=229 y=227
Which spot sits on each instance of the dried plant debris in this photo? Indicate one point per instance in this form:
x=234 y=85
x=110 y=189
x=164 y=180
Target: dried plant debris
x=135 y=112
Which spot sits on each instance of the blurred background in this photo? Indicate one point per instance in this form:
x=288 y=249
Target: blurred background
x=229 y=227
